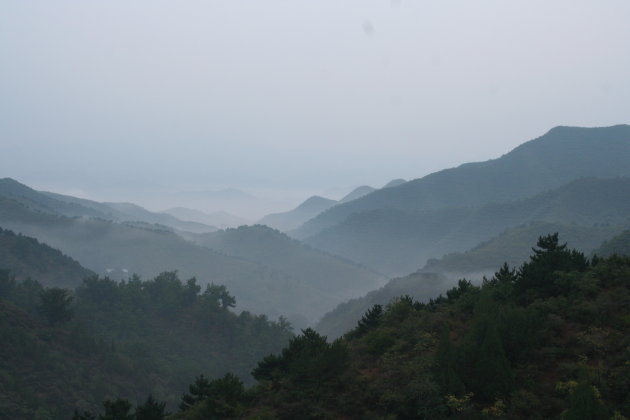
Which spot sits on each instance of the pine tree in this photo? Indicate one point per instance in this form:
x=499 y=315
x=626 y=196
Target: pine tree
x=444 y=369
x=492 y=375
x=151 y=410
x=118 y=409
x=536 y=277
x=369 y=321
x=198 y=391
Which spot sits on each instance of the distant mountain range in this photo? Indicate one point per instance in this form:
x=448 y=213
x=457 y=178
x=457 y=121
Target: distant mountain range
x=395 y=230
x=294 y=218
x=147 y=249
x=311 y=207
x=220 y=219
x=66 y=205
x=560 y=156
x=395 y=242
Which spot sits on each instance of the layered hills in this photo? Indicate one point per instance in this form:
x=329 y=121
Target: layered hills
x=26 y=257
x=397 y=241
x=292 y=219
x=341 y=279
x=302 y=294
x=311 y=207
x=66 y=205
x=556 y=158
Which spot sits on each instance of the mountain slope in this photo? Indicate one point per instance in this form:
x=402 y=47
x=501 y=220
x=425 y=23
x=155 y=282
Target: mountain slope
x=396 y=242
x=420 y=286
x=560 y=156
x=115 y=345
x=292 y=219
x=99 y=244
x=514 y=246
x=220 y=219
x=26 y=258
x=65 y=205
x=620 y=245
x=339 y=278
x=357 y=193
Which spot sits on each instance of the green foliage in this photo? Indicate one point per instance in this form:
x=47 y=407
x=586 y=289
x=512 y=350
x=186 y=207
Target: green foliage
x=151 y=410
x=445 y=367
x=127 y=339
x=368 y=321
x=584 y=404
x=225 y=399
x=55 y=305
x=538 y=276
x=307 y=360
x=197 y=392
x=118 y=409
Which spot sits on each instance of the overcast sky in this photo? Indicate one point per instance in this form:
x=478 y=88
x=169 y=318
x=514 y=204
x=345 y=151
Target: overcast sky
x=116 y=99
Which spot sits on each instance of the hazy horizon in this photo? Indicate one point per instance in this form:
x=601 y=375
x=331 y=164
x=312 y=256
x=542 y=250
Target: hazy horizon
x=139 y=101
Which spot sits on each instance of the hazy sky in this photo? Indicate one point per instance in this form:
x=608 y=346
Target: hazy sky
x=108 y=99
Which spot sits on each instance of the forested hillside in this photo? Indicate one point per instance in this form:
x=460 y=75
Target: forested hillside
x=64 y=350
x=341 y=279
x=418 y=285
x=546 y=340
x=148 y=250
x=26 y=258
x=514 y=246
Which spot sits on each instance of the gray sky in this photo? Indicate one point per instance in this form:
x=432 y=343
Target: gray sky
x=130 y=99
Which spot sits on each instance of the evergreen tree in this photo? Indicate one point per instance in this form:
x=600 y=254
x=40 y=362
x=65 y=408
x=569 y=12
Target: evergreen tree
x=151 y=410
x=118 y=409
x=226 y=397
x=445 y=365
x=198 y=391
x=537 y=276
x=368 y=321
x=55 y=305
x=492 y=375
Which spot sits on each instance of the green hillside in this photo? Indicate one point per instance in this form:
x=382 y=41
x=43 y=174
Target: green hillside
x=420 y=286
x=148 y=250
x=125 y=339
x=397 y=242
x=547 y=341
x=556 y=158
x=26 y=258
x=514 y=247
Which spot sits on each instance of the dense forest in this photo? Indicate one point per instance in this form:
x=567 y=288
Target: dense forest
x=548 y=339
x=63 y=350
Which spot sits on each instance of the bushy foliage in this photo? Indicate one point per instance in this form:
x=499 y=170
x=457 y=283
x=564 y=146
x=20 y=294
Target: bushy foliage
x=127 y=339
x=480 y=352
